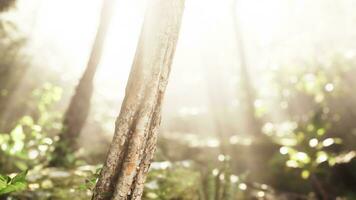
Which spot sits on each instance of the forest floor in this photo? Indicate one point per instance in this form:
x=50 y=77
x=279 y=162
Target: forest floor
x=77 y=183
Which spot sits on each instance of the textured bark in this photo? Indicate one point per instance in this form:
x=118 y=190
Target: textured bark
x=134 y=142
x=79 y=106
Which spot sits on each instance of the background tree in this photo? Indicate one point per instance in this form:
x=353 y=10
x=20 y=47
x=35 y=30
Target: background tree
x=13 y=64
x=260 y=149
x=253 y=124
x=134 y=142
x=6 y=4
x=79 y=106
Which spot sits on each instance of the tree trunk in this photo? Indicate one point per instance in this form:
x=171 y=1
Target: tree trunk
x=134 y=142
x=12 y=73
x=79 y=107
x=319 y=189
x=253 y=125
x=6 y=4
x=13 y=68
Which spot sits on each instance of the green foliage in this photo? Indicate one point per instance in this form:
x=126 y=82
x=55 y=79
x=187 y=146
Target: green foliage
x=15 y=184
x=313 y=139
x=54 y=183
x=91 y=180
x=165 y=182
x=64 y=155
x=182 y=181
x=30 y=142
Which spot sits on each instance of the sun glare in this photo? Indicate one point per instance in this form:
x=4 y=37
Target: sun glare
x=71 y=34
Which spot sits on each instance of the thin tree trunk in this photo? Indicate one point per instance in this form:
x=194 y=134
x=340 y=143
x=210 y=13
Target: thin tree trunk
x=219 y=113
x=13 y=68
x=252 y=123
x=12 y=75
x=79 y=107
x=319 y=188
x=6 y=4
x=134 y=142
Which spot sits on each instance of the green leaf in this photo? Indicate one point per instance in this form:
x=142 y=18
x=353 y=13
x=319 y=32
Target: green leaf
x=19 y=178
x=13 y=188
x=8 y=185
x=4 y=180
x=2 y=186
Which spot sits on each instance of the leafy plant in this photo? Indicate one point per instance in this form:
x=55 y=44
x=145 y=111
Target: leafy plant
x=15 y=184
x=318 y=128
x=165 y=182
x=90 y=182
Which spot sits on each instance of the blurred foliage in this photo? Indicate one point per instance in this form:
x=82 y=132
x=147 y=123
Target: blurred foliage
x=91 y=180
x=53 y=183
x=307 y=153
x=29 y=143
x=313 y=149
x=312 y=142
x=165 y=182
